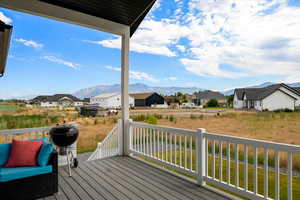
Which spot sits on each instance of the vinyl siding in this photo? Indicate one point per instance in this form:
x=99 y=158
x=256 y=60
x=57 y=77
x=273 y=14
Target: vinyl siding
x=278 y=100
x=238 y=104
x=111 y=102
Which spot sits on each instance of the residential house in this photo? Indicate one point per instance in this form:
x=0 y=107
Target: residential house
x=203 y=97
x=64 y=100
x=147 y=99
x=172 y=101
x=110 y=100
x=273 y=97
x=86 y=101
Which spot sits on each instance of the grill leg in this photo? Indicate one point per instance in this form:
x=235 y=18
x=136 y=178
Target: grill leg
x=69 y=164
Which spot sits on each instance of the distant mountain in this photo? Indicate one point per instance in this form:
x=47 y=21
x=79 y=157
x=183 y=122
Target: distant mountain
x=230 y=92
x=295 y=84
x=133 y=88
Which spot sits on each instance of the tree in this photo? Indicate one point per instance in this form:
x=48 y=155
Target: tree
x=212 y=103
x=230 y=100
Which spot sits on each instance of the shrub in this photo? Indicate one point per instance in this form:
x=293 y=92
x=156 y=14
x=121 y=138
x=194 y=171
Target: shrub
x=140 y=117
x=115 y=120
x=26 y=121
x=151 y=119
x=158 y=116
x=283 y=110
x=172 y=118
x=193 y=116
x=212 y=103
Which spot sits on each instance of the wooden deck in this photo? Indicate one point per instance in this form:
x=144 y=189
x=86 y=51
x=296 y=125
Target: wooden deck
x=125 y=178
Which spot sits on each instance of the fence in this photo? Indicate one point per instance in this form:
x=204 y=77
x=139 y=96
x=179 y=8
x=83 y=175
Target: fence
x=109 y=146
x=27 y=133
x=226 y=162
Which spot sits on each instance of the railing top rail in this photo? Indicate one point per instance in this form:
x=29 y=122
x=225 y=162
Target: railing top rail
x=164 y=128
x=254 y=142
x=25 y=130
x=109 y=135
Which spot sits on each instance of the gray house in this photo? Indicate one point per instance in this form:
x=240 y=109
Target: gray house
x=273 y=97
x=203 y=97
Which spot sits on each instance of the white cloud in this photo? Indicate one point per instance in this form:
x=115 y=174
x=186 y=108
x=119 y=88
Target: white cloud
x=136 y=75
x=60 y=61
x=255 y=37
x=4 y=18
x=171 y=78
x=30 y=43
x=153 y=37
x=180 y=48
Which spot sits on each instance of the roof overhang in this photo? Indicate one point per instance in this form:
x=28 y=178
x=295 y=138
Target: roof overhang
x=113 y=16
x=5 y=35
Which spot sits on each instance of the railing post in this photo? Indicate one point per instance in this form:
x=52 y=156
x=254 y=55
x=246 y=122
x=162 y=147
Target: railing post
x=200 y=156
x=120 y=137
x=128 y=137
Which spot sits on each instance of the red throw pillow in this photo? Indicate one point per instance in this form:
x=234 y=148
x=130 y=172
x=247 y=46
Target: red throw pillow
x=23 y=153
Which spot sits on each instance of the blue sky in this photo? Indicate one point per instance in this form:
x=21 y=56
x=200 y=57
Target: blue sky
x=210 y=44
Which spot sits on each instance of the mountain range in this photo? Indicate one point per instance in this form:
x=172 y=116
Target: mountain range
x=140 y=88
x=265 y=84
x=133 y=88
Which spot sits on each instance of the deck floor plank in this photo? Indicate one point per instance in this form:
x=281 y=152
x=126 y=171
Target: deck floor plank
x=61 y=194
x=104 y=183
x=80 y=191
x=66 y=188
x=124 y=178
x=86 y=186
x=171 y=180
x=121 y=188
x=135 y=181
x=95 y=183
x=167 y=187
x=125 y=183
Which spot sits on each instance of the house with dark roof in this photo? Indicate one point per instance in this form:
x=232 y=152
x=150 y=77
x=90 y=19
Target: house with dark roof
x=110 y=100
x=273 y=97
x=203 y=97
x=147 y=99
x=64 y=100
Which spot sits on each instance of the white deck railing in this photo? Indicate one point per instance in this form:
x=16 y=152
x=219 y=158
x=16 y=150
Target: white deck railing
x=109 y=146
x=217 y=160
x=26 y=133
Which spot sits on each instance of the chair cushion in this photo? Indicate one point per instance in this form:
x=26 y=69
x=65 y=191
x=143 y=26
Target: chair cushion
x=23 y=153
x=4 y=153
x=44 y=139
x=44 y=154
x=8 y=174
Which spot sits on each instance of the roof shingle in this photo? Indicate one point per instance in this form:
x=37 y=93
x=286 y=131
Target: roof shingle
x=261 y=93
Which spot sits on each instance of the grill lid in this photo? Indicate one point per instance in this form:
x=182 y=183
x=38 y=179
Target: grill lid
x=64 y=135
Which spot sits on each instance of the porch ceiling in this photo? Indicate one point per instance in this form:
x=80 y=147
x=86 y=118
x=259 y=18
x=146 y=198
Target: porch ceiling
x=114 y=16
x=126 y=12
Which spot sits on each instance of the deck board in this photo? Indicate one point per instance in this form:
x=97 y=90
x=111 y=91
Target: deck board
x=125 y=178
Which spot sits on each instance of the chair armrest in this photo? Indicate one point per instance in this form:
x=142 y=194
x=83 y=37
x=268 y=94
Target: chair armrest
x=53 y=160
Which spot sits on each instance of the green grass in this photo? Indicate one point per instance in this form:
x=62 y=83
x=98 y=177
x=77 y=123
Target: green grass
x=260 y=172
x=26 y=121
x=8 y=108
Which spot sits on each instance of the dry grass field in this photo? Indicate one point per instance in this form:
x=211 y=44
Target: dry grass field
x=276 y=127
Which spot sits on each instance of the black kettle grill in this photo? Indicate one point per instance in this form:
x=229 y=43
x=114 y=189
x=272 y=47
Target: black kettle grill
x=63 y=137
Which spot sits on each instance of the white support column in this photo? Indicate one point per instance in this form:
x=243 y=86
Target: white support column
x=124 y=90
x=200 y=156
